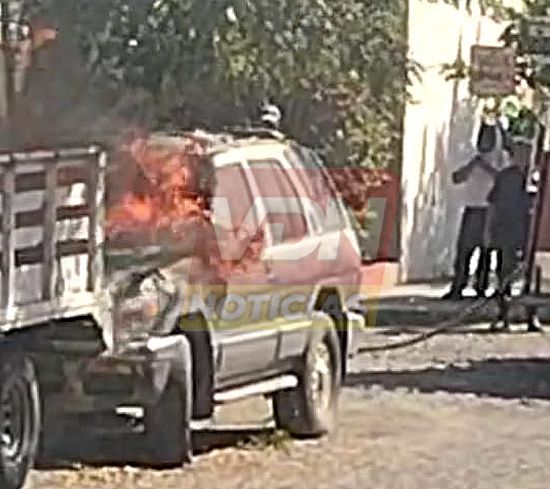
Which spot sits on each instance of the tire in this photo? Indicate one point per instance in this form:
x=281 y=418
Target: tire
x=19 y=419
x=167 y=436
x=310 y=409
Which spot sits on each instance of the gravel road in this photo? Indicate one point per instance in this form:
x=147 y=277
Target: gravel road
x=461 y=411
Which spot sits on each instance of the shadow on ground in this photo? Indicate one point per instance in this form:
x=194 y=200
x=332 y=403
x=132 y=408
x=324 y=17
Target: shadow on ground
x=84 y=449
x=508 y=379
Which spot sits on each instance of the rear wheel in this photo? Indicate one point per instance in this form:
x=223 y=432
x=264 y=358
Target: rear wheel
x=19 y=420
x=309 y=410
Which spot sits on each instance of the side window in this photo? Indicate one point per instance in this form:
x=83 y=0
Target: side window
x=306 y=174
x=233 y=202
x=285 y=212
x=315 y=179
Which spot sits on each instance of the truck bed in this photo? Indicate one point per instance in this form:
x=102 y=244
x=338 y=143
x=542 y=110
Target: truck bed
x=51 y=235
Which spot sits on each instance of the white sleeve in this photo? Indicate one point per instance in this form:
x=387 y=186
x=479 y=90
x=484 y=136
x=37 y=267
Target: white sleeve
x=504 y=122
x=476 y=126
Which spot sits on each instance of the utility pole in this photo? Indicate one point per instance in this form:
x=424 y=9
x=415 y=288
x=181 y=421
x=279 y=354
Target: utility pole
x=6 y=73
x=4 y=60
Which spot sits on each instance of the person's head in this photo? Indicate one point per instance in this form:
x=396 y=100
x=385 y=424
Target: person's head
x=490 y=112
x=271 y=116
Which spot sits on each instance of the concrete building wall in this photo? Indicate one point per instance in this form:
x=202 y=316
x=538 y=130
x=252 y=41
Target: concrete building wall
x=438 y=134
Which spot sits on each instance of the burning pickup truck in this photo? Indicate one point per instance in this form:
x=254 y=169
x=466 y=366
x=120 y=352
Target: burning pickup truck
x=193 y=270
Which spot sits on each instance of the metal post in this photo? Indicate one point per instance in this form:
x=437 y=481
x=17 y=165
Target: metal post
x=6 y=72
x=542 y=159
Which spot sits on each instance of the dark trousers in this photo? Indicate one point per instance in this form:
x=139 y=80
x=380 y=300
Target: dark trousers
x=507 y=262
x=471 y=236
x=509 y=235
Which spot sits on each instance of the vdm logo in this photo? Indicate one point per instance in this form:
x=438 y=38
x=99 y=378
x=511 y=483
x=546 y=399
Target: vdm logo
x=260 y=214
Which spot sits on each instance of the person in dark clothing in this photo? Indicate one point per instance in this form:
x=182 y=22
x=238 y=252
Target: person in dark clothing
x=509 y=202
x=509 y=225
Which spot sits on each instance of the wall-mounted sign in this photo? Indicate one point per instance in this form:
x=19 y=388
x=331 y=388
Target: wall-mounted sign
x=493 y=71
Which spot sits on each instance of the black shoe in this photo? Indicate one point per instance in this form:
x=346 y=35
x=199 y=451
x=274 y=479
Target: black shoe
x=500 y=326
x=481 y=293
x=533 y=325
x=452 y=295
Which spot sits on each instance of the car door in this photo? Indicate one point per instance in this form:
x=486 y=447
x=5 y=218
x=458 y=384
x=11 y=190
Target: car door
x=339 y=251
x=246 y=340
x=290 y=260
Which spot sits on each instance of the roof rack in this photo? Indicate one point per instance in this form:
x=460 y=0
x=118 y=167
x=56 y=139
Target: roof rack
x=258 y=132
x=208 y=138
x=226 y=137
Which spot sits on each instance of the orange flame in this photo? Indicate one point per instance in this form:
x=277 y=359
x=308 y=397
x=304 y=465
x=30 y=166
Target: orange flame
x=154 y=193
x=154 y=190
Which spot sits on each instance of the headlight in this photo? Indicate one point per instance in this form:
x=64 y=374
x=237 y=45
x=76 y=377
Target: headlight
x=139 y=307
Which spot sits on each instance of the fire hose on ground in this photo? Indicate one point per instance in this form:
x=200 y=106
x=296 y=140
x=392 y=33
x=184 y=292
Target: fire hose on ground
x=452 y=323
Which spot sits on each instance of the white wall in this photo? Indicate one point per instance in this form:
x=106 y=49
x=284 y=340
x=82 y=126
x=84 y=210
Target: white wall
x=438 y=135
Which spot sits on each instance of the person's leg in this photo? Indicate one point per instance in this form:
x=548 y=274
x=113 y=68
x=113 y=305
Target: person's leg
x=478 y=231
x=501 y=296
x=460 y=279
x=533 y=321
x=506 y=269
x=482 y=272
x=470 y=237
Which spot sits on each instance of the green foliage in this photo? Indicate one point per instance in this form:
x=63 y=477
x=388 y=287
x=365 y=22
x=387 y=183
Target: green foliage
x=496 y=8
x=536 y=7
x=524 y=124
x=535 y=71
x=530 y=68
x=337 y=69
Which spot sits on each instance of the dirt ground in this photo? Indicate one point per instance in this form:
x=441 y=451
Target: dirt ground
x=461 y=411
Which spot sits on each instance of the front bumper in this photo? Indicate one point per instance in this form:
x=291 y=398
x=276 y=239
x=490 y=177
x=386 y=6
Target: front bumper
x=136 y=375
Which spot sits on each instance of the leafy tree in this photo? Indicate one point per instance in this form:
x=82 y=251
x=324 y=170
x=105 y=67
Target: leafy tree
x=338 y=69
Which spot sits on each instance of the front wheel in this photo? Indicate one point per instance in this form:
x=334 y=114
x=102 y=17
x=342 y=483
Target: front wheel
x=309 y=410
x=19 y=419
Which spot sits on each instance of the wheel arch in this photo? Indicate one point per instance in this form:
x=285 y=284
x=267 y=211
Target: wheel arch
x=196 y=329
x=328 y=299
